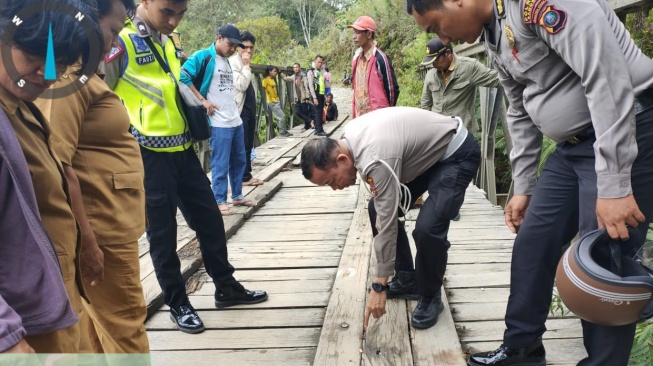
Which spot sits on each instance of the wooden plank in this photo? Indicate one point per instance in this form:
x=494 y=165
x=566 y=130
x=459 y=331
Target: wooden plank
x=481 y=331
x=234 y=339
x=387 y=339
x=339 y=345
x=620 y=6
x=558 y=351
x=438 y=345
x=277 y=287
x=273 y=169
x=238 y=319
x=280 y=261
x=250 y=357
x=299 y=299
x=245 y=276
x=474 y=295
x=288 y=245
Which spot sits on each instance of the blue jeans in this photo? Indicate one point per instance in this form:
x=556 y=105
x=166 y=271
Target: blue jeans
x=227 y=158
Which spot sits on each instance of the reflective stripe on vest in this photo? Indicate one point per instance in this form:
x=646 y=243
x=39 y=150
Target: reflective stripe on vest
x=150 y=95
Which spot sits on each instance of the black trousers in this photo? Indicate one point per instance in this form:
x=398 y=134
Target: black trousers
x=319 y=109
x=249 y=126
x=563 y=204
x=446 y=182
x=177 y=179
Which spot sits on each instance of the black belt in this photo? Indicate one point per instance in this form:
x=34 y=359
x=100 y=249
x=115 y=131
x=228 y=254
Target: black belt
x=583 y=136
x=644 y=101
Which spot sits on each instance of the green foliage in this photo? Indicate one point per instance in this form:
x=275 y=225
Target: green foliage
x=642 y=351
x=641 y=29
x=557 y=306
x=272 y=38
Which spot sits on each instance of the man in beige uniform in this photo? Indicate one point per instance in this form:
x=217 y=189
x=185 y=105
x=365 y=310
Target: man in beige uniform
x=571 y=72
x=450 y=85
x=402 y=152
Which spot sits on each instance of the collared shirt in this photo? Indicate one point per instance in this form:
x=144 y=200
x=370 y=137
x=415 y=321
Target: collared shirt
x=50 y=188
x=409 y=141
x=90 y=132
x=445 y=75
x=361 y=93
x=457 y=96
x=567 y=65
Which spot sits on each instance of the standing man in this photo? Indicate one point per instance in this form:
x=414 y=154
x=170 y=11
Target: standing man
x=432 y=153
x=373 y=78
x=572 y=73
x=246 y=99
x=317 y=88
x=300 y=94
x=173 y=175
x=450 y=85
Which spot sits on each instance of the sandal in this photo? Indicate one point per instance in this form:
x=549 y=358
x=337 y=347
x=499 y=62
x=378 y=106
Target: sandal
x=224 y=209
x=244 y=202
x=253 y=182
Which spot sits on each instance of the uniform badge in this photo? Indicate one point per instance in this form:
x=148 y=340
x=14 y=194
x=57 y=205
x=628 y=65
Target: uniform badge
x=510 y=37
x=501 y=10
x=144 y=60
x=115 y=52
x=553 y=20
x=532 y=10
x=176 y=39
x=370 y=181
x=139 y=44
x=142 y=28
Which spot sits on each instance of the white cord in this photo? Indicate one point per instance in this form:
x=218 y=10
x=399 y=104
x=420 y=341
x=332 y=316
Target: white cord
x=406 y=197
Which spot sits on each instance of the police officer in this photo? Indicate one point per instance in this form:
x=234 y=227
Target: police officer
x=572 y=73
x=173 y=175
x=402 y=152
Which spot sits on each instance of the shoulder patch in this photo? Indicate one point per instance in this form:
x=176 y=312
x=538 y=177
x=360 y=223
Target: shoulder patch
x=141 y=28
x=501 y=10
x=139 y=44
x=553 y=20
x=532 y=10
x=115 y=52
x=176 y=39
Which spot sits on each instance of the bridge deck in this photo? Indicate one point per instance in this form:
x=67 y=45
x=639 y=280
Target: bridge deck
x=311 y=249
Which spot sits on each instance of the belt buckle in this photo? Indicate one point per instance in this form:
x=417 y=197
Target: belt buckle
x=573 y=141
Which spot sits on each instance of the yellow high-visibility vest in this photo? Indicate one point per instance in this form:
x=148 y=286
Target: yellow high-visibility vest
x=150 y=95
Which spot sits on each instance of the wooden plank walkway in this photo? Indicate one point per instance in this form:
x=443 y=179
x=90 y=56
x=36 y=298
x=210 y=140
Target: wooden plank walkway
x=311 y=249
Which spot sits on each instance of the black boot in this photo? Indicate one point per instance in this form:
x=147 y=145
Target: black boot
x=533 y=355
x=427 y=311
x=235 y=294
x=402 y=286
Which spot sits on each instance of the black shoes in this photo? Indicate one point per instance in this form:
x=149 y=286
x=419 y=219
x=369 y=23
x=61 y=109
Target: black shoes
x=533 y=355
x=320 y=133
x=186 y=319
x=402 y=286
x=457 y=217
x=236 y=294
x=427 y=311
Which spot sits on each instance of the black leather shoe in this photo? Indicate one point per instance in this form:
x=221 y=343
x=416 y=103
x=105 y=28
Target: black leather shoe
x=402 y=286
x=534 y=355
x=320 y=133
x=235 y=294
x=426 y=313
x=186 y=319
x=457 y=217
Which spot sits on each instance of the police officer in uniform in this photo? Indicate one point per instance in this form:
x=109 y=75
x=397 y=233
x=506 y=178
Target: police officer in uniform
x=572 y=73
x=173 y=175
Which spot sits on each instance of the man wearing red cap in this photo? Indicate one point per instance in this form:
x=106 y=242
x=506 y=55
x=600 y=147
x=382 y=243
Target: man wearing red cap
x=373 y=78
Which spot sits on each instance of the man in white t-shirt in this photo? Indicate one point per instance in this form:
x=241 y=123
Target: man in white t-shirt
x=217 y=93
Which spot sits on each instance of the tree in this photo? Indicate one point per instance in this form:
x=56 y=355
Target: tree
x=272 y=38
x=308 y=10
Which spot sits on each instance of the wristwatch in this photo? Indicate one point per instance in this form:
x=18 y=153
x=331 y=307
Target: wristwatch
x=378 y=287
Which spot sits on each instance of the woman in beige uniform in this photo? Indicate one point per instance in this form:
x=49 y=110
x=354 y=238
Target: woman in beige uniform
x=104 y=170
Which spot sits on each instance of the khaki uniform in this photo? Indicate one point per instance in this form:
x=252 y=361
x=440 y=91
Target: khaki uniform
x=456 y=97
x=90 y=132
x=54 y=207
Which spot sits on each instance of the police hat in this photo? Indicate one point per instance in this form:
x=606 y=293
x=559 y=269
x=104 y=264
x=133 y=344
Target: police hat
x=434 y=48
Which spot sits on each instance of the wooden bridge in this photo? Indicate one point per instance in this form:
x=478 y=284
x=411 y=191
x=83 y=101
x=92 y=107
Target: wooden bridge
x=311 y=249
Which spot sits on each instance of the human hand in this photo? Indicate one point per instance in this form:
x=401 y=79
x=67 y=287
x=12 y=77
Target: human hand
x=91 y=260
x=247 y=58
x=375 y=306
x=615 y=213
x=210 y=107
x=21 y=347
x=315 y=101
x=515 y=211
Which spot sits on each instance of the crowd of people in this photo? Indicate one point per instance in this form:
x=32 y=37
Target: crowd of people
x=95 y=149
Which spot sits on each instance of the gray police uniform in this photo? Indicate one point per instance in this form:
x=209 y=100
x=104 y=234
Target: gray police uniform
x=571 y=73
x=400 y=148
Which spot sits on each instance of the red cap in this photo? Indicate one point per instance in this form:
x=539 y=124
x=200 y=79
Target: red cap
x=364 y=23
